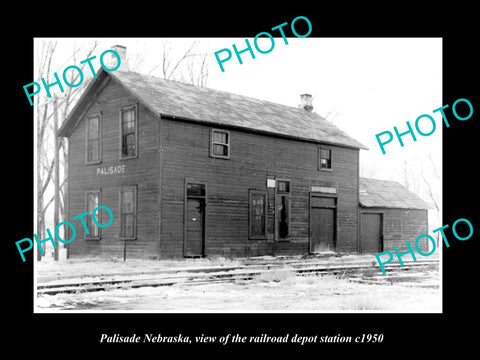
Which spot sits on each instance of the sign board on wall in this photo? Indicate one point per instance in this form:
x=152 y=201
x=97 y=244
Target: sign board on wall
x=111 y=170
x=324 y=189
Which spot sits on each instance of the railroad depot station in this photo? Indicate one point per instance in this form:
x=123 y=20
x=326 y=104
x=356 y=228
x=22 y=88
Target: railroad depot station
x=190 y=171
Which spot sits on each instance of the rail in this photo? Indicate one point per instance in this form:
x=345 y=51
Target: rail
x=200 y=276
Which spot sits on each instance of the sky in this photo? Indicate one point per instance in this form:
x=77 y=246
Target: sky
x=366 y=85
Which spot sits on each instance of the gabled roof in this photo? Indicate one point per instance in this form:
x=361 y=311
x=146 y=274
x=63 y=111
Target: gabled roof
x=388 y=194
x=184 y=101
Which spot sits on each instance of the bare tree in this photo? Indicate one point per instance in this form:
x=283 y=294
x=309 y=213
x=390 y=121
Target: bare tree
x=433 y=197
x=56 y=172
x=44 y=167
x=168 y=67
x=198 y=75
x=433 y=192
x=406 y=181
x=51 y=159
x=332 y=115
x=191 y=66
x=410 y=177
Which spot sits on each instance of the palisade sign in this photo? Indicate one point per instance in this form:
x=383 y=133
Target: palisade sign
x=111 y=170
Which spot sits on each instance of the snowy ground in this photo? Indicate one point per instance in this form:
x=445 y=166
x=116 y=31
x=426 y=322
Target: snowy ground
x=275 y=291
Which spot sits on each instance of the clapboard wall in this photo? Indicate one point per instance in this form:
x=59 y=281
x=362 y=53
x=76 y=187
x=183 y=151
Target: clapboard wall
x=402 y=225
x=172 y=150
x=253 y=158
x=142 y=171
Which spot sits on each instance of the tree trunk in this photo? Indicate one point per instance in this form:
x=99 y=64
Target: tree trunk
x=40 y=211
x=65 y=213
x=56 y=175
x=40 y=219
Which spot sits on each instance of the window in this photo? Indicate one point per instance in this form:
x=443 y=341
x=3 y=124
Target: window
x=283 y=209
x=92 y=200
x=195 y=189
x=128 y=213
x=283 y=186
x=128 y=120
x=220 y=144
x=93 y=139
x=325 y=159
x=257 y=215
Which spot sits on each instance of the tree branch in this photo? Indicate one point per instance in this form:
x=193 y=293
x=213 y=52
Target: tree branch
x=48 y=204
x=185 y=56
x=430 y=193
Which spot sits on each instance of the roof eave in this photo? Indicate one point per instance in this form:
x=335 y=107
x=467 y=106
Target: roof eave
x=78 y=110
x=69 y=123
x=423 y=207
x=263 y=132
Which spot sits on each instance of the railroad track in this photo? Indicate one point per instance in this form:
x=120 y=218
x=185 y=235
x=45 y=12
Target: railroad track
x=201 y=276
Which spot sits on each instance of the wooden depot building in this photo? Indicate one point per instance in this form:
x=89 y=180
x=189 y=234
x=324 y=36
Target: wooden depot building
x=191 y=171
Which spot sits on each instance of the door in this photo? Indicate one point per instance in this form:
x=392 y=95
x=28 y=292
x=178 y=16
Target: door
x=371 y=234
x=283 y=217
x=282 y=210
x=322 y=223
x=195 y=227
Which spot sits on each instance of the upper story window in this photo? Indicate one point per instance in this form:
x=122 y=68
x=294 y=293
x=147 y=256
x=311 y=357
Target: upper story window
x=93 y=150
x=128 y=127
x=324 y=159
x=220 y=144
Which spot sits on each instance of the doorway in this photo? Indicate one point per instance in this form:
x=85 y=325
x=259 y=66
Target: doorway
x=371 y=233
x=322 y=223
x=194 y=231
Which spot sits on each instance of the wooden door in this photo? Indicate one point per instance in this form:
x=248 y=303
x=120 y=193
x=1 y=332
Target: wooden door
x=371 y=234
x=322 y=224
x=195 y=227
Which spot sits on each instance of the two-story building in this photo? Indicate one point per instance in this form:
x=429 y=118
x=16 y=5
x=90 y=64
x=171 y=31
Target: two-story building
x=192 y=171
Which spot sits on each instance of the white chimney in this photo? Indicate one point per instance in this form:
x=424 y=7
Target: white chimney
x=113 y=61
x=306 y=102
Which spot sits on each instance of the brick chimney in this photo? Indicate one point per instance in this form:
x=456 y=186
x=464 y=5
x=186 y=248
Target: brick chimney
x=306 y=102
x=112 y=60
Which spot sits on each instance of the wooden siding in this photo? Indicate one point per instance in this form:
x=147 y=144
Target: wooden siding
x=142 y=171
x=402 y=225
x=169 y=151
x=253 y=157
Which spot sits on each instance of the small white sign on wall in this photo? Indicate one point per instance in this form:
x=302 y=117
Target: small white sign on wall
x=270 y=183
x=324 y=189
